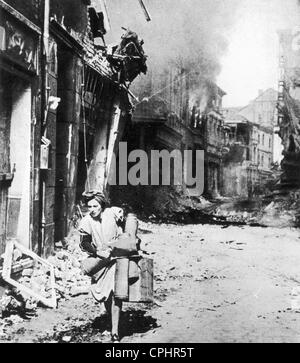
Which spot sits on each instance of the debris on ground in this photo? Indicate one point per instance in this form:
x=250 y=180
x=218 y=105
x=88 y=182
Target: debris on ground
x=173 y=205
x=15 y=305
x=211 y=285
x=281 y=209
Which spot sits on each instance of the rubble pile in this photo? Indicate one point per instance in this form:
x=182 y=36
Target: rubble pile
x=69 y=282
x=236 y=216
x=282 y=211
x=163 y=204
x=174 y=205
x=273 y=210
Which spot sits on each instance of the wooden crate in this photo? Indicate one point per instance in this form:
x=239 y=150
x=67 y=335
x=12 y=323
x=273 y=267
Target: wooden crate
x=142 y=289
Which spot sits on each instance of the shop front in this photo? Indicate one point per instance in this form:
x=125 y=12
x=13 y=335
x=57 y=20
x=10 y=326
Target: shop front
x=18 y=77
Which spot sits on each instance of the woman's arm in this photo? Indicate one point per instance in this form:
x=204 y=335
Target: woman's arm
x=86 y=244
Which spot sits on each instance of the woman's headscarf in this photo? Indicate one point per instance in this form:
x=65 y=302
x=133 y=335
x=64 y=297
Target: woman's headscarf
x=97 y=195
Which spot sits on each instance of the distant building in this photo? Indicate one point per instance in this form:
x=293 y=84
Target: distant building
x=247 y=165
x=211 y=126
x=263 y=111
x=172 y=115
x=240 y=165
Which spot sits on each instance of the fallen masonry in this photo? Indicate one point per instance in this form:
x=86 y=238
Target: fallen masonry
x=30 y=285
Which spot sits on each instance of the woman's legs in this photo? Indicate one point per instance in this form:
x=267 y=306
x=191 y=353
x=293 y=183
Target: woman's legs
x=108 y=304
x=116 y=308
x=113 y=307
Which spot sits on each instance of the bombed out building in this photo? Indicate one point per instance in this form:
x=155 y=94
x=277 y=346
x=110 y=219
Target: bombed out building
x=64 y=104
x=172 y=115
x=289 y=107
x=250 y=141
x=240 y=165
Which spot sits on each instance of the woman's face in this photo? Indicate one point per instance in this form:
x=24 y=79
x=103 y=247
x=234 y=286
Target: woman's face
x=95 y=208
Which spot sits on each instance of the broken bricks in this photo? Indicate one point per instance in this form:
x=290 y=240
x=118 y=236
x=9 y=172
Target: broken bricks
x=65 y=281
x=23 y=284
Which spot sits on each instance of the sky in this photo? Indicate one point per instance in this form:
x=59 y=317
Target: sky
x=235 y=42
x=252 y=57
x=232 y=42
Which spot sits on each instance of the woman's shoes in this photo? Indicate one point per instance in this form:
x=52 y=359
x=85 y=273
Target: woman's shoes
x=115 y=338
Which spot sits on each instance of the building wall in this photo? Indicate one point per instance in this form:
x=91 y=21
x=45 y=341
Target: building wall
x=260 y=116
x=235 y=180
x=68 y=119
x=20 y=70
x=192 y=120
x=71 y=13
x=31 y=9
x=48 y=176
x=171 y=86
x=254 y=147
x=265 y=148
x=262 y=110
x=51 y=192
x=213 y=144
x=5 y=166
x=20 y=151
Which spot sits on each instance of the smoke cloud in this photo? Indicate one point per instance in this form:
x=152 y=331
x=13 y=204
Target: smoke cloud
x=193 y=35
x=190 y=34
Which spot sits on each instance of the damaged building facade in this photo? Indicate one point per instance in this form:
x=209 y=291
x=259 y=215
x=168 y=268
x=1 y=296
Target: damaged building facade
x=289 y=107
x=172 y=115
x=211 y=125
x=250 y=141
x=64 y=105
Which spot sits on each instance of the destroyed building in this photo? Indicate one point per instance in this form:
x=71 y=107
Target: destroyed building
x=240 y=168
x=289 y=107
x=172 y=115
x=251 y=134
x=211 y=125
x=64 y=104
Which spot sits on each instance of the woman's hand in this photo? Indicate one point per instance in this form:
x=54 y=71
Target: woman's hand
x=104 y=253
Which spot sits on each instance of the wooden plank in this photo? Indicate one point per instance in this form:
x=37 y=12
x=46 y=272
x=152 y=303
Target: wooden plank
x=142 y=289
x=51 y=303
x=19 y=266
x=31 y=254
x=146 y=265
x=7 y=268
